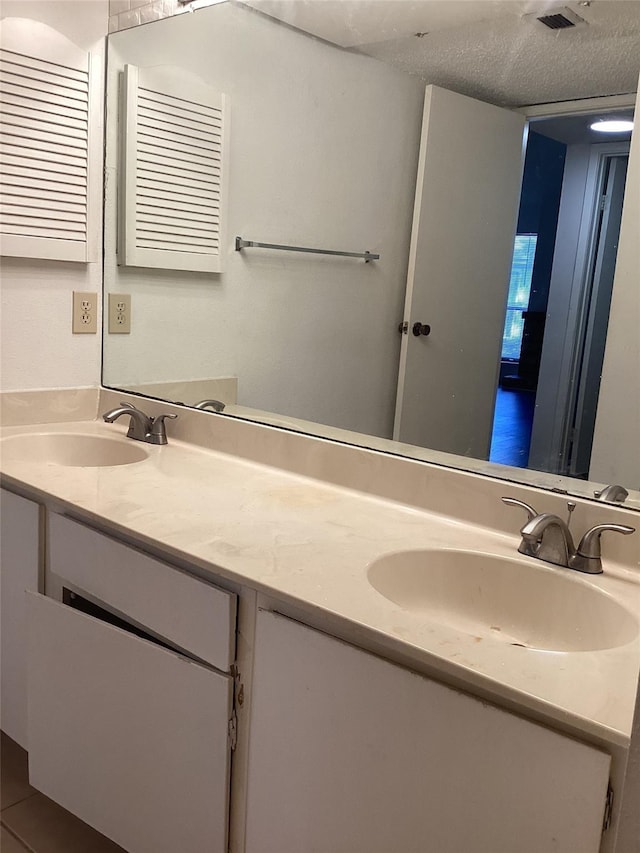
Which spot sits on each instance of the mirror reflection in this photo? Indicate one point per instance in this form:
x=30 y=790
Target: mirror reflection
x=492 y=330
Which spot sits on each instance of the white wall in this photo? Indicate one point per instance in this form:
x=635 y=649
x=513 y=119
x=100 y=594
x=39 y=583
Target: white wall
x=323 y=153
x=38 y=349
x=616 y=444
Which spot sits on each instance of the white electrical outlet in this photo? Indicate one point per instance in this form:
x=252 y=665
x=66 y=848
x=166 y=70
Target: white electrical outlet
x=85 y=313
x=119 y=314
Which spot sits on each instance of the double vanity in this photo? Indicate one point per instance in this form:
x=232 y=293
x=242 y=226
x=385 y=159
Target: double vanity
x=337 y=651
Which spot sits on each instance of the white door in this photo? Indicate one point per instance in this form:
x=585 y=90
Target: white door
x=128 y=735
x=464 y=223
x=349 y=753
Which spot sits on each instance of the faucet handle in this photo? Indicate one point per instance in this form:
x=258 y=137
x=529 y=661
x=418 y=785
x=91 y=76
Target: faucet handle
x=589 y=546
x=531 y=512
x=526 y=547
x=587 y=555
x=158 y=430
x=131 y=407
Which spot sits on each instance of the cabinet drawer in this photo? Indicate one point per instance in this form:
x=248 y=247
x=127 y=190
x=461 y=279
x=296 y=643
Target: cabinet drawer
x=129 y=736
x=189 y=613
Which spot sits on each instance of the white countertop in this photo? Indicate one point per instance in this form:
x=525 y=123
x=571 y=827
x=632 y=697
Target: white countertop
x=308 y=544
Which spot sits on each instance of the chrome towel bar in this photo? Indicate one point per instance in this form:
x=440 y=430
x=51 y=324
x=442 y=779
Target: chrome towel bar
x=250 y=244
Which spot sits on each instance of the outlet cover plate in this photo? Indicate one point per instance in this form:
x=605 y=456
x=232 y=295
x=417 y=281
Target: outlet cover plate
x=85 y=313
x=119 y=313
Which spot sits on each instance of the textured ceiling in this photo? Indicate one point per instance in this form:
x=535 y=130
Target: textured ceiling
x=349 y=23
x=496 y=51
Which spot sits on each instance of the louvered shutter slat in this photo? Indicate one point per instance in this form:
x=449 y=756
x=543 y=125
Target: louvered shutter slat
x=58 y=118
x=179 y=104
x=43 y=232
x=174 y=171
x=199 y=221
x=17 y=129
x=179 y=156
x=44 y=94
x=77 y=216
x=32 y=164
x=19 y=173
x=57 y=69
x=56 y=207
x=172 y=166
x=209 y=188
x=44 y=144
x=185 y=208
x=43 y=108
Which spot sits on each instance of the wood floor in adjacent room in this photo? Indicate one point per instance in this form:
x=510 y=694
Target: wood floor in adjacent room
x=34 y=823
x=513 y=419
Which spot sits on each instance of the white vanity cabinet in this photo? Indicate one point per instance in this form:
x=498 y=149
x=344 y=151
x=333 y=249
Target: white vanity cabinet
x=20 y=560
x=130 y=696
x=349 y=753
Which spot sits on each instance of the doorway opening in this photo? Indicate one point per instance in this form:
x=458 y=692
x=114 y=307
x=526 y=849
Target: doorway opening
x=559 y=295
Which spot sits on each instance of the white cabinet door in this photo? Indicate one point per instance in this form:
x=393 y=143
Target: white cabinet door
x=352 y=754
x=128 y=735
x=19 y=570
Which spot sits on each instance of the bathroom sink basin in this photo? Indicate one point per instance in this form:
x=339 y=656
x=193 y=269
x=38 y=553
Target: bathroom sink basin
x=511 y=601
x=71 y=449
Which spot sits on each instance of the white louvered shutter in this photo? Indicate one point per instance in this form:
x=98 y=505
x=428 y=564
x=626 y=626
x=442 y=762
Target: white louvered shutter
x=45 y=129
x=173 y=171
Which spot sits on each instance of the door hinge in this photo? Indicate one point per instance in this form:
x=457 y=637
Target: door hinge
x=233 y=730
x=603 y=202
x=608 y=808
x=403 y=328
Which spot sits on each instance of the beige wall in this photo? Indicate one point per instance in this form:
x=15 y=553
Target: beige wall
x=38 y=349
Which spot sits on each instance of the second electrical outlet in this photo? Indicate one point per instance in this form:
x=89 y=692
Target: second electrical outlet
x=119 y=313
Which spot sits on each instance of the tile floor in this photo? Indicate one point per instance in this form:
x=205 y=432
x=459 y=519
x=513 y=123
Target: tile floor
x=32 y=823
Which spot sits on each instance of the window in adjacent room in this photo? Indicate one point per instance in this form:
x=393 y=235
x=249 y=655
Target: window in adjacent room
x=524 y=253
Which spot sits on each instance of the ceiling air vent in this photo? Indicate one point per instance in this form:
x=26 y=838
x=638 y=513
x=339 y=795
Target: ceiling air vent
x=561 y=18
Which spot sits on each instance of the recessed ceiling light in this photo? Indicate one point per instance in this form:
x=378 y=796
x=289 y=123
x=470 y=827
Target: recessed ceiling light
x=612 y=125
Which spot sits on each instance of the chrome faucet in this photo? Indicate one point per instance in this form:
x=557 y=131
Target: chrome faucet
x=547 y=537
x=216 y=405
x=141 y=427
x=612 y=493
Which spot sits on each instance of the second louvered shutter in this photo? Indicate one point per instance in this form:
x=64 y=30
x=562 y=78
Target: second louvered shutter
x=173 y=171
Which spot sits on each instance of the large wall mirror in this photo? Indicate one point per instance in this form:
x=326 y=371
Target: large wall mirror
x=465 y=302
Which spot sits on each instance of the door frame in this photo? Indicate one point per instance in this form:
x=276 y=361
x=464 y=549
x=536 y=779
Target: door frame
x=589 y=289
x=552 y=427
x=550 y=433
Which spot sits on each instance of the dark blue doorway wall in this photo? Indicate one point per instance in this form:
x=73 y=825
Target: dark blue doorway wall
x=538 y=214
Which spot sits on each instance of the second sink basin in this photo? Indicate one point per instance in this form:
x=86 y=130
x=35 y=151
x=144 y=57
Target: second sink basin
x=71 y=449
x=512 y=601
